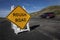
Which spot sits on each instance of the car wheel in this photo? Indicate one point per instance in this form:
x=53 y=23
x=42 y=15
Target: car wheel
x=47 y=17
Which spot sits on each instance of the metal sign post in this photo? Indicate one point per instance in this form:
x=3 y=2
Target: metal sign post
x=16 y=29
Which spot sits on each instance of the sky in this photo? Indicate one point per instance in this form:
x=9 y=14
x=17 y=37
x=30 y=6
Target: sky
x=29 y=5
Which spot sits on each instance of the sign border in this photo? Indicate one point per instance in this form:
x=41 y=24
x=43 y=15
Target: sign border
x=15 y=23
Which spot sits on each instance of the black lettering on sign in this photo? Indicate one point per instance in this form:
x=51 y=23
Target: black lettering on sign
x=20 y=19
x=19 y=14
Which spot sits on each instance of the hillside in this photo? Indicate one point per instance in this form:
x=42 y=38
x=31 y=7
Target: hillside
x=55 y=9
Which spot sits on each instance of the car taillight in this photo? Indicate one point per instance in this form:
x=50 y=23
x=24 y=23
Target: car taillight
x=50 y=14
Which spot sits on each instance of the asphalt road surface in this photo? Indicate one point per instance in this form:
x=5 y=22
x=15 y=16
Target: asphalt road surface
x=41 y=29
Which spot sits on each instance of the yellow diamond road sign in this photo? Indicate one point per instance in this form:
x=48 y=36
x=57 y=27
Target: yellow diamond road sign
x=19 y=17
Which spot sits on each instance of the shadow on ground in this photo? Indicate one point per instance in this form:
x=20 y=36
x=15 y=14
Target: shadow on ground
x=34 y=27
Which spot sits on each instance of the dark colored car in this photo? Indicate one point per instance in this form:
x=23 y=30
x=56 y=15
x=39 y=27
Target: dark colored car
x=48 y=15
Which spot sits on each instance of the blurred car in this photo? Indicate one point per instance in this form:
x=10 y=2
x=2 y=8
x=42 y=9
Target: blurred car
x=48 y=15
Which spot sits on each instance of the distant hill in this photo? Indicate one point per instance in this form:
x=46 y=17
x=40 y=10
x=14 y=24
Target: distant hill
x=2 y=18
x=55 y=9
